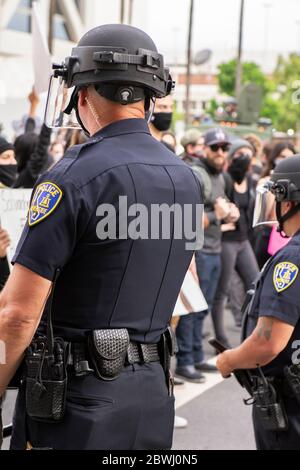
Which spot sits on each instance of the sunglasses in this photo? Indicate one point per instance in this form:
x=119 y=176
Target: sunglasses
x=216 y=147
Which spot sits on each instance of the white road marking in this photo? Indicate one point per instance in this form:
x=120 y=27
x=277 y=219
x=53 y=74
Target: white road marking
x=189 y=391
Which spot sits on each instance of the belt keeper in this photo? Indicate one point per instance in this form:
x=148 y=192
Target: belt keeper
x=130 y=356
x=143 y=353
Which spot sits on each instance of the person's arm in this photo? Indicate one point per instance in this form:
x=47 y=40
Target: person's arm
x=205 y=220
x=4 y=268
x=21 y=304
x=39 y=157
x=34 y=101
x=4 y=242
x=269 y=338
x=37 y=161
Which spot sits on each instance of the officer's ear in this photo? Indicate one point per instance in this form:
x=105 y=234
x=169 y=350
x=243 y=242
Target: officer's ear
x=286 y=206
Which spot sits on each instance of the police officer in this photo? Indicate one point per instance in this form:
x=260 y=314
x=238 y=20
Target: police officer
x=272 y=322
x=97 y=370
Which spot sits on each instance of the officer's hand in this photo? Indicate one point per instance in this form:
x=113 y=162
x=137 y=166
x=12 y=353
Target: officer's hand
x=223 y=365
x=4 y=242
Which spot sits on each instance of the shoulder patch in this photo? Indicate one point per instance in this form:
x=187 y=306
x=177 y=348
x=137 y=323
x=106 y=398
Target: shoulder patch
x=45 y=200
x=284 y=275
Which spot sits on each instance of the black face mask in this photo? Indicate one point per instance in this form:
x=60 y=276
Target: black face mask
x=8 y=174
x=161 y=121
x=239 y=167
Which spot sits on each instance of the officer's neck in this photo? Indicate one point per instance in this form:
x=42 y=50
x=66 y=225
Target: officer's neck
x=292 y=225
x=114 y=115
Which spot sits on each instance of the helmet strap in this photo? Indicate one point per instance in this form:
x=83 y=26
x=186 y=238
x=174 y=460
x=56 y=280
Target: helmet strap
x=283 y=218
x=74 y=105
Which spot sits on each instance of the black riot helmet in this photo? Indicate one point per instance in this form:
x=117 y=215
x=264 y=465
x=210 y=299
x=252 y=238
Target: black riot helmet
x=121 y=61
x=285 y=186
x=286 y=179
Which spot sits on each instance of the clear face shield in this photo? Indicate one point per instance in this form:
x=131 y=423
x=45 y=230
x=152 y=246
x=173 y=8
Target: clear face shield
x=264 y=212
x=60 y=112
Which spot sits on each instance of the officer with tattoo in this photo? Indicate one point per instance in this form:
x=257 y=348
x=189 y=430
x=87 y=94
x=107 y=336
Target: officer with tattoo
x=272 y=322
x=91 y=295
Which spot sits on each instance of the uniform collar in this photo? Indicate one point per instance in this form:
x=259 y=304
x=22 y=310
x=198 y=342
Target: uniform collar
x=125 y=126
x=296 y=237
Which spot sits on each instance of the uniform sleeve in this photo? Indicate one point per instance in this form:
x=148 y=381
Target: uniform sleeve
x=280 y=295
x=50 y=234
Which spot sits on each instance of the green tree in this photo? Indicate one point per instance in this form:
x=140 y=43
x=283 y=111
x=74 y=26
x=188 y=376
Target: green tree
x=251 y=73
x=281 y=93
x=287 y=82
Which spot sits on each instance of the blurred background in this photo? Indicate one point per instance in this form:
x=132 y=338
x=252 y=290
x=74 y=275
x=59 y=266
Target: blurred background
x=236 y=62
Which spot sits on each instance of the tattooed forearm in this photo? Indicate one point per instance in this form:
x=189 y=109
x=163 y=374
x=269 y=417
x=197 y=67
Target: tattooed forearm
x=265 y=329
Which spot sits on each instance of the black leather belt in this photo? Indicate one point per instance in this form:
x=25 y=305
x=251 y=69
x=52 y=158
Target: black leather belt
x=137 y=353
x=142 y=353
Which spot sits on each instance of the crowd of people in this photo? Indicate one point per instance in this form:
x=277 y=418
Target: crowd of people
x=33 y=151
x=229 y=169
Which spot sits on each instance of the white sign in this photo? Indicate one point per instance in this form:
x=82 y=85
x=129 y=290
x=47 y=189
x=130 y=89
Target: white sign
x=14 y=204
x=191 y=298
x=42 y=63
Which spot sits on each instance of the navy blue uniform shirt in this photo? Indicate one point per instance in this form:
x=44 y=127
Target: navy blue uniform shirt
x=113 y=283
x=278 y=296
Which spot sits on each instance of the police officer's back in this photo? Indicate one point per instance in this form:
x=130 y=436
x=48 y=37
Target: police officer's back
x=116 y=278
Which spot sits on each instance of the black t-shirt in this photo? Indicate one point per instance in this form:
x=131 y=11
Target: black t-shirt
x=241 y=232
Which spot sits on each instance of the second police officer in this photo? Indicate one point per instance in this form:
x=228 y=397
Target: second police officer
x=97 y=372
x=272 y=322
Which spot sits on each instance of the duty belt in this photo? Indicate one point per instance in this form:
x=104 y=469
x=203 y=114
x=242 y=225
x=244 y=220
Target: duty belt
x=137 y=353
x=142 y=353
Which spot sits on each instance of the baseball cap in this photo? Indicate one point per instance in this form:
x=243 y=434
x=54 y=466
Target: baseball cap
x=216 y=136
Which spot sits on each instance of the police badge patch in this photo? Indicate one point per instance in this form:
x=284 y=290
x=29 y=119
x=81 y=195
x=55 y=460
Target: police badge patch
x=46 y=198
x=284 y=275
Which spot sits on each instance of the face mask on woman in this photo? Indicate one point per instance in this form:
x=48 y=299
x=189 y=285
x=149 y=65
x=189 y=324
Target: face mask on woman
x=8 y=174
x=239 y=167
